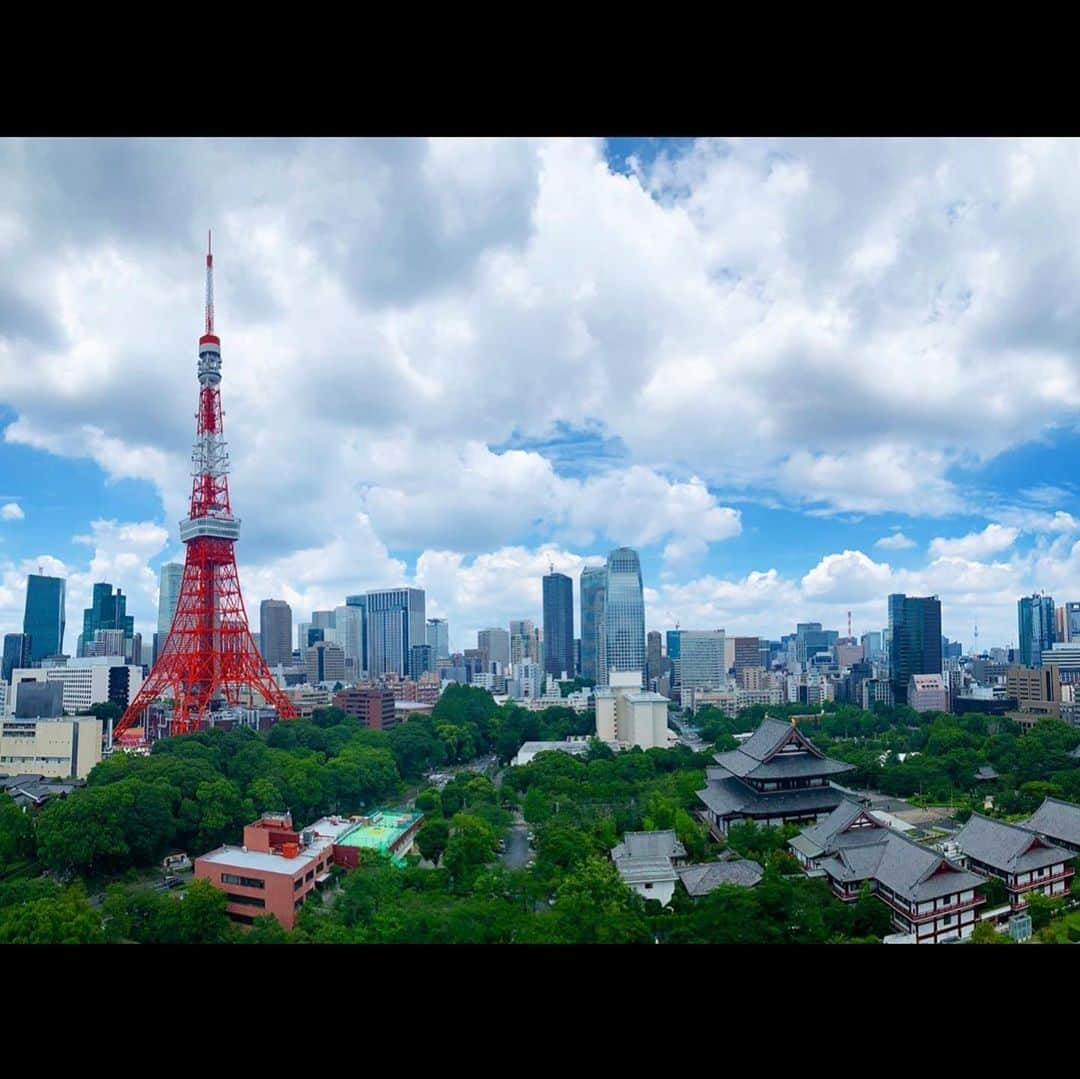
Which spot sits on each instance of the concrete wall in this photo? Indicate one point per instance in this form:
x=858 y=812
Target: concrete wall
x=49 y=747
x=661 y=891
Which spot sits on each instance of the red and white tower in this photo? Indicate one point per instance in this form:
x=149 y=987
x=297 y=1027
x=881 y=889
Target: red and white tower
x=209 y=657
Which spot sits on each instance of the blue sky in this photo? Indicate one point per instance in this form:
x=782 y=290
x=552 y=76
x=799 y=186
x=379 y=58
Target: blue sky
x=796 y=375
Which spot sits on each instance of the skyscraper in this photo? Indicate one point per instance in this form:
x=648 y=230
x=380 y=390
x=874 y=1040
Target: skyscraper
x=654 y=660
x=275 y=632
x=747 y=654
x=495 y=646
x=106 y=611
x=702 y=664
x=45 y=617
x=593 y=654
x=395 y=623
x=624 y=614
x=349 y=623
x=914 y=640
x=360 y=601
x=170 y=576
x=16 y=654
x=420 y=660
x=438 y=636
x=525 y=644
x=1035 y=615
x=1072 y=622
x=558 y=624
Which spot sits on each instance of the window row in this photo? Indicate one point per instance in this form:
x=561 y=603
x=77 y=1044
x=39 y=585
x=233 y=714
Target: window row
x=245 y=882
x=246 y=900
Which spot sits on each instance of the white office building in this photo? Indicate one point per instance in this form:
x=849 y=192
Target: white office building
x=629 y=716
x=89 y=680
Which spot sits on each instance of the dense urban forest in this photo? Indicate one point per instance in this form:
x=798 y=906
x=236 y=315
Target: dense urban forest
x=98 y=846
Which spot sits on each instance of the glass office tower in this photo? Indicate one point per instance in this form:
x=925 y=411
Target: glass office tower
x=593 y=591
x=914 y=640
x=1035 y=615
x=44 y=619
x=624 y=614
x=558 y=624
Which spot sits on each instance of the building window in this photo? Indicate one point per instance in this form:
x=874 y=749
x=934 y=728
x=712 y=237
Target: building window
x=297 y=884
x=246 y=900
x=244 y=882
x=310 y=874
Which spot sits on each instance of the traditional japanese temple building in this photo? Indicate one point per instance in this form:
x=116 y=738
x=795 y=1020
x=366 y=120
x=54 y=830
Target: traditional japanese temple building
x=1057 y=821
x=931 y=899
x=1013 y=853
x=777 y=776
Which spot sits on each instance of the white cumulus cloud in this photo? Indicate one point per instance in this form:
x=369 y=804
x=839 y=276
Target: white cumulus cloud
x=897 y=541
x=992 y=539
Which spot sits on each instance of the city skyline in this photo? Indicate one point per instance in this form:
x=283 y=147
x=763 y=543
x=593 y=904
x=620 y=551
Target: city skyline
x=849 y=483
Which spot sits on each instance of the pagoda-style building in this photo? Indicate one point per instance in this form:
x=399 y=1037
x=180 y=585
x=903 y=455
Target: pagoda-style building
x=777 y=776
x=931 y=899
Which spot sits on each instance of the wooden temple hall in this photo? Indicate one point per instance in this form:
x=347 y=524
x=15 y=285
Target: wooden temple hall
x=777 y=776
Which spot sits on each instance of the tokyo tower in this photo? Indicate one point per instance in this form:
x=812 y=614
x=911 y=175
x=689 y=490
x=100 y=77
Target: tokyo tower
x=209 y=658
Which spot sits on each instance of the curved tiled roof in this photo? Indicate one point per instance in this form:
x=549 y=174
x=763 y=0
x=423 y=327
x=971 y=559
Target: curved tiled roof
x=1056 y=819
x=1009 y=847
x=702 y=879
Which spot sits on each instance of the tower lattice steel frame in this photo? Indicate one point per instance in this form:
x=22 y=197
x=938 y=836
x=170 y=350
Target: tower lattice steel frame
x=209 y=654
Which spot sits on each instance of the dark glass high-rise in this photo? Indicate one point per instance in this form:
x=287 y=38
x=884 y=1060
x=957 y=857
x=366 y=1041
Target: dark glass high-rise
x=44 y=619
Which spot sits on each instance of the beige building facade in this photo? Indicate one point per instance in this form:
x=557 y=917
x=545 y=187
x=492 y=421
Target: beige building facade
x=626 y=715
x=50 y=747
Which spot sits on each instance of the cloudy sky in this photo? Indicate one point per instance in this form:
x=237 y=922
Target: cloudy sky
x=796 y=375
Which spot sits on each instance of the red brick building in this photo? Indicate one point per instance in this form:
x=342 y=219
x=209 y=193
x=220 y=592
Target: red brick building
x=372 y=705
x=272 y=873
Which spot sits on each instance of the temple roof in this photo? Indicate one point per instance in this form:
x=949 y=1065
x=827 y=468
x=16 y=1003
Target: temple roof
x=1007 y=847
x=648 y=845
x=779 y=750
x=849 y=824
x=905 y=867
x=644 y=857
x=1058 y=820
x=730 y=796
x=702 y=879
x=771 y=737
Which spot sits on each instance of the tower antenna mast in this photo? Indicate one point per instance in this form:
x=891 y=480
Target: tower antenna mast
x=209 y=659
